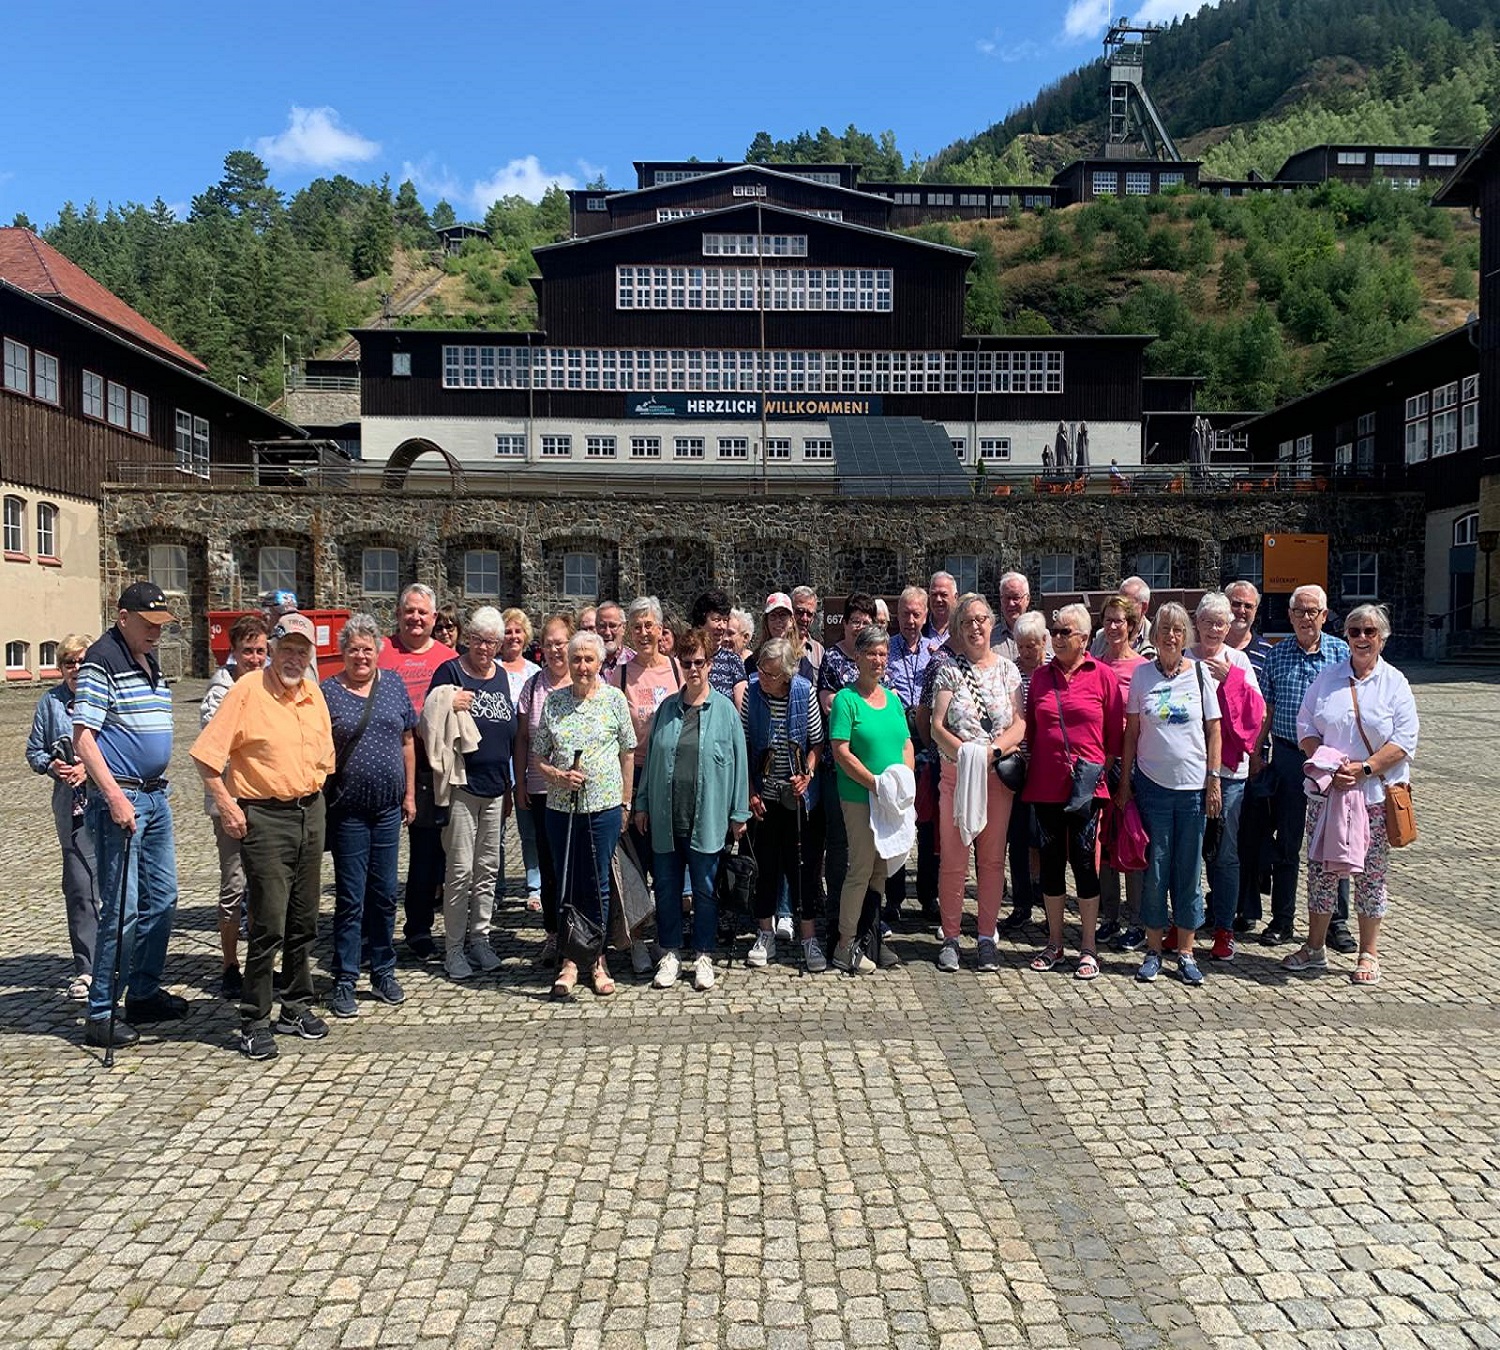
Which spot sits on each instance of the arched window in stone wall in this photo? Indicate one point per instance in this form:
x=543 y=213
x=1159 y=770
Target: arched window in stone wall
x=481 y=569
x=376 y=565
x=1241 y=559
x=578 y=570
x=267 y=560
x=177 y=561
x=676 y=570
x=1163 y=562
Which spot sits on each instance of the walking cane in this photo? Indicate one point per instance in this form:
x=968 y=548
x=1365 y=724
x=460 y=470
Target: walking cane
x=114 y=982
x=566 y=888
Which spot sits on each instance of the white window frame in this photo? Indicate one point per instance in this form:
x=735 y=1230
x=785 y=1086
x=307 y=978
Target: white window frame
x=140 y=414
x=994 y=449
x=600 y=447
x=45 y=384
x=1361 y=581
x=734 y=447
x=46 y=530
x=508 y=445
x=964 y=569
x=1154 y=567
x=1445 y=432
x=93 y=395
x=778 y=447
x=480 y=564
x=1416 y=437
x=17 y=657
x=1466 y=530
x=16 y=374
x=1137 y=184
x=275 y=568
x=117 y=405
x=1441 y=159
x=14 y=534
x=401 y=365
x=380 y=571
x=167 y=566
x=1104 y=183
x=1398 y=157
x=645 y=447
x=1056 y=573
x=557 y=447
x=1243 y=565
x=46 y=656
x=581 y=575
x=1302 y=457
x=688 y=447
x=1353 y=157
x=817 y=447
x=1469 y=430
x=960 y=446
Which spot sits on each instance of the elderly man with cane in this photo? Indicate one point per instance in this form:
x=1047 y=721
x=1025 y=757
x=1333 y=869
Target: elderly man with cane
x=263 y=759
x=122 y=734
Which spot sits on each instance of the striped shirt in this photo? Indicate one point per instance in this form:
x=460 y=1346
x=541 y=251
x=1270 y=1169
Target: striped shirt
x=779 y=770
x=128 y=710
x=1290 y=672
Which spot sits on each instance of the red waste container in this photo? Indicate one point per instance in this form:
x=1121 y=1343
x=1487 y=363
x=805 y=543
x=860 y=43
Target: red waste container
x=327 y=623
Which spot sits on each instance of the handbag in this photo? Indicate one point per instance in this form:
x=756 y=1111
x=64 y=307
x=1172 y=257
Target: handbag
x=333 y=785
x=1086 y=773
x=1125 y=838
x=734 y=885
x=1400 y=816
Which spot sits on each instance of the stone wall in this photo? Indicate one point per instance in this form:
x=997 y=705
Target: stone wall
x=749 y=546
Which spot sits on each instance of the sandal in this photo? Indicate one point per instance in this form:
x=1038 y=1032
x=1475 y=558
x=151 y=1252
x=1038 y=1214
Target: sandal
x=567 y=977
x=1366 y=969
x=1048 y=957
x=1088 y=967
x=603 y=985
x=533 y=904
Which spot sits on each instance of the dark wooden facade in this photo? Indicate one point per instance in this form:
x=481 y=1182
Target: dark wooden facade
x=57 y=448
x=1320 y=163
x=915 y=204
x=1075 y=181
x=646 y=170
x=1330 y=416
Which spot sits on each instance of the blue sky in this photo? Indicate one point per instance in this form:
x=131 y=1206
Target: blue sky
x=133 y=102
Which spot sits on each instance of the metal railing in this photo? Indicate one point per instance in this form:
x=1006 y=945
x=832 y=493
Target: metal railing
x=1453 y=640
x=343 y=384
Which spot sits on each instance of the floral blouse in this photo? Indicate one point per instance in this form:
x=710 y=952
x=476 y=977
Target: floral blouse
x=599 y=726
x=998 y=683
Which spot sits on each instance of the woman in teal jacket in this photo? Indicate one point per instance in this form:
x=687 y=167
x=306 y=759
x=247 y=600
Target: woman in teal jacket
x=694 y=793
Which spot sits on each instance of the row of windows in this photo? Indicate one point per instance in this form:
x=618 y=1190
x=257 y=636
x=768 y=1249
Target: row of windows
x=509 y=446
x=986 y=199
x=18 y=658
x=25 y=372
x=755 y=245
x=15 y=530
x=666 y=213
x=716 y=288
x=1443 y=421
x=1106 y=183
x=1437 y=159
x=993 y=449
x=697 y=370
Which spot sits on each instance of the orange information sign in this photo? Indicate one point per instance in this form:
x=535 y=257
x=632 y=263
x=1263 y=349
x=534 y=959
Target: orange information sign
x=1292 y=560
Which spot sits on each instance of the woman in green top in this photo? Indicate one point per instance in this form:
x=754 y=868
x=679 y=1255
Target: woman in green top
x=867 y=729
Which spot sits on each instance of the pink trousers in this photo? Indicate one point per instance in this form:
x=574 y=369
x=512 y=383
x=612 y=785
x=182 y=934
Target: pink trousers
x=989 y=856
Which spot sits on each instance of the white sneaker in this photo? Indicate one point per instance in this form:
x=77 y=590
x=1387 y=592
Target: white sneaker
x=784 y=927
x=764 y=950
x=812 y=956
x=703 y=972
x=667 y=971
x=456 y=966
x=640 y=958
x=484 y=955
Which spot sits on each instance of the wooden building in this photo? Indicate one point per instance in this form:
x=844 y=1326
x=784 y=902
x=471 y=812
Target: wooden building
x=90 y=391
x=1404 y=166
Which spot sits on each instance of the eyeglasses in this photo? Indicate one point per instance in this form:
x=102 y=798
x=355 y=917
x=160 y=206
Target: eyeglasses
x=1062 y=632
x=1306 y=613
x=692 y=662
x=1362 y=632
x=1241 y=604
x=70 y=662
x=484 y=642
x=976 y=620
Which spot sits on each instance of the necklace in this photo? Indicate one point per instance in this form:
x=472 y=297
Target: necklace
x=1169 y=674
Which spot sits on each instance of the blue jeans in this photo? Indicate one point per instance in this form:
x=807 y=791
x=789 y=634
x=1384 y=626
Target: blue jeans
x=584 y=883
x=702 y=868
x=364 y=888
x=1224 y=871
x=530 y=859
x=150 y=897
x=1174 y=819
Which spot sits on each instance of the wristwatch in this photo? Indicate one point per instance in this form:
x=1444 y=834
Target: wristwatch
x=1369 y=772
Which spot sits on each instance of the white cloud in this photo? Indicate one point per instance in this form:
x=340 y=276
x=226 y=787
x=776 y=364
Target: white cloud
x=434 y=184
x=315 y=139
x=520 y=178
x=998 y=49
x=1087 y=18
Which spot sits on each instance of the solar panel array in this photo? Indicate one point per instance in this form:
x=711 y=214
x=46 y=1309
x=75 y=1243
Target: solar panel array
x=895 y=457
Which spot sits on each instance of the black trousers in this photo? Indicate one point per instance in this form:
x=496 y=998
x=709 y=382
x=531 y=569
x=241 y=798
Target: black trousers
x=775 y=843
x=283 y=855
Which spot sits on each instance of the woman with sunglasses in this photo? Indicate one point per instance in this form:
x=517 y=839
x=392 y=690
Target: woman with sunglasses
x=53 y=723
x=694 y=794
x=1362 y=708
x=1073 y=714
x=1170 y=765
x=976 y=702
x=445 y=626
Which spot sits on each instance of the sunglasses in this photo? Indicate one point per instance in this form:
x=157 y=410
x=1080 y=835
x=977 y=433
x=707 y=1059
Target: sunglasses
x=1061 y=632
x=1362 y=632
x=69 y=663
x=692 y=663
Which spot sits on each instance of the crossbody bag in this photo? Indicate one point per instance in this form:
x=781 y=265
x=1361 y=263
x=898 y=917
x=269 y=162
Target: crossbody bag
x=1400 y=818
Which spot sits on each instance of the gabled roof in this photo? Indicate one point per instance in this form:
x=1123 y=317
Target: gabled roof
x=749 y=204
x=1462 y=189
x=34 y=265
x=756 y=170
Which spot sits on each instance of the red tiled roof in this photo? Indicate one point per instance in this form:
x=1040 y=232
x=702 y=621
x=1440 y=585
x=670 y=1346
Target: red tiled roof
x=35 y=266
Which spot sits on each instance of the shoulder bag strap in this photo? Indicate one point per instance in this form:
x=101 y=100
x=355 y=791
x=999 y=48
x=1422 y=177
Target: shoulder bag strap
x=1062 y=721
x=981 y=703
x=1360 y=722
x=342 y=758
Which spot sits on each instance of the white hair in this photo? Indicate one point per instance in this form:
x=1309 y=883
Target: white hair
x=359 y=626
x=1244 y=586
x=1010 y=578
x=1315 y=591
x=744 y=621
x=942 y=576
x=487 y=622
x=645 y=604
x=1076 y=616
x=1032 y=624
x=417 y=588
x=584 y=638
x=1137 y=590
x=1172 y=615
x=1376 y=615
x=914 y=593
x=1214 y=605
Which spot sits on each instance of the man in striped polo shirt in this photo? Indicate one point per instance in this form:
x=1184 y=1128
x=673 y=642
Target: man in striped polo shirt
x=122 y=732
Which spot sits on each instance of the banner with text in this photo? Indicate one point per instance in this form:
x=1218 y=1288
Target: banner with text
x=710 y=407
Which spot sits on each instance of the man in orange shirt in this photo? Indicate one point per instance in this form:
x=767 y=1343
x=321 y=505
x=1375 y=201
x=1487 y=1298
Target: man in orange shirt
x=263 y=759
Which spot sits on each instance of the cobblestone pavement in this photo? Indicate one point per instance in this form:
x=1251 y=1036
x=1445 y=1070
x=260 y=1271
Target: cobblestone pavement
x=907 y=1159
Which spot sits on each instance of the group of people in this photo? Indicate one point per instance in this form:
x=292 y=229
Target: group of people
x=1127 y=752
